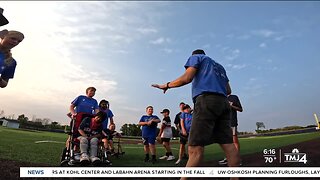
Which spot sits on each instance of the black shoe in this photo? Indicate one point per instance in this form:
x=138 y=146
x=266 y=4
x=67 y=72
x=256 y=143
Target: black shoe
x=185 y=156
x=146 y=159
x=153 y=161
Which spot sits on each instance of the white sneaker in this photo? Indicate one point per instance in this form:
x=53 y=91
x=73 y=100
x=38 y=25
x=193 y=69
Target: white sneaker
x=170 y=158
x=84 y=157
x=223 y=161
x=178 y=162
x=77 y=157
x=163 y=157
x=94 y=159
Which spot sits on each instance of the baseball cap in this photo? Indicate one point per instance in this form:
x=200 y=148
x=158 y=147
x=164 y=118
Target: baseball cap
x=3 y=20
x=165 y=111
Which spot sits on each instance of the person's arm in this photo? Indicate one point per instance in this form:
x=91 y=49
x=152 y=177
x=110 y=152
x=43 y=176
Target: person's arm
x=161 y=129
x=143 y=123
x=186 y=78
x=3 y=82
x=95 y=136
x=236 y=105
x=183 y=129
x=156 y=120
x=111 y=121
x=71 y=109
x=82 y=133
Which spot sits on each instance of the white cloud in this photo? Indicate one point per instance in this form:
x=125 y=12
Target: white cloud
x=236 y=66
x=263 y=45
x=160 y=40
x=167 y=50
x=264 y=33
x=232 y=54
x=147 y=30
x=244 y=37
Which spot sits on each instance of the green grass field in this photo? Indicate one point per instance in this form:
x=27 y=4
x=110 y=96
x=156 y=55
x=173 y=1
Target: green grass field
x=26 y=146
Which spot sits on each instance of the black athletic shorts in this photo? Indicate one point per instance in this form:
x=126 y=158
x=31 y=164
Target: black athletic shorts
x=183 y=139
x=165 y=139
x=210 y=121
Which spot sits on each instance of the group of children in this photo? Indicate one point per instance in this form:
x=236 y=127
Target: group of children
x=94 y=128
x=149 y=124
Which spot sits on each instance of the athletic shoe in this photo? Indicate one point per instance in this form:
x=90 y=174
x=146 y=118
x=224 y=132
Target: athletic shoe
x=163 y=157
x=146 y=159
x=223 y=161
x=185 y=156
x=77 y=157
x=153 y=161
x=170 y=158
x=84 y=157
x=178 y=162
x=94 y=159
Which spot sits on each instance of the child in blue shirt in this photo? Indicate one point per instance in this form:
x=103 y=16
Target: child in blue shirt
x=149 y=125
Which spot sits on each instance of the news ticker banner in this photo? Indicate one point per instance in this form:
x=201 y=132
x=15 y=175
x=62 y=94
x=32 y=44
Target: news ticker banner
x=170 y=172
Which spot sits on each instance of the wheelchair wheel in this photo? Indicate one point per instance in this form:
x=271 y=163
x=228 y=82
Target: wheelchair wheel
x=64 y=157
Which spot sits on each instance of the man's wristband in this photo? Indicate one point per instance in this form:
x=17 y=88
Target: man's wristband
x=168 y=85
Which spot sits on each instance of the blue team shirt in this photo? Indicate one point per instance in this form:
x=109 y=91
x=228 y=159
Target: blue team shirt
x=210 y=76
x=106 y=121
x=187 y=118
x=7 y=72
x=85 y=104
x=149 y=131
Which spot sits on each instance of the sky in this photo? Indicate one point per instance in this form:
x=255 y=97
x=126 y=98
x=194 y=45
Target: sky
x=270 y=51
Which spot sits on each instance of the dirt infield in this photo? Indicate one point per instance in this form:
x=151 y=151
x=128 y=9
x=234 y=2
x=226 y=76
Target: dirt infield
x=11 y=169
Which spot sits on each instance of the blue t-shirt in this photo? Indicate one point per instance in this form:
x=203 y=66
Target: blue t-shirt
x=90 y=127
x=7 y=72
x=85 y=104
x=210 y=76
x=187 y=118
x=106 y=120
x=149 y=131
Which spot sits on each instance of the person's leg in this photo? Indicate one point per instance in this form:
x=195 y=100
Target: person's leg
x=153 y=152
x=146 y=149
x=235 y=142
x=111 y=146
x=181 y=152
x=170 y=155
x=235 y=138
x=93 y=147
x=83 y=148
x=195 y=156
x=105 y=143
x=167 y=146
x=232 y=154
x=83 y=145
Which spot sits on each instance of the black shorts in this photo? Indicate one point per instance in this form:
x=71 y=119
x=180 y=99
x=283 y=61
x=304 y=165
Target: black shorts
x=165 y=139
x=211 y=121
x=183 y=139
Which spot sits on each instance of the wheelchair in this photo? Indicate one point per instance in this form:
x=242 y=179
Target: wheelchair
x=71 y=152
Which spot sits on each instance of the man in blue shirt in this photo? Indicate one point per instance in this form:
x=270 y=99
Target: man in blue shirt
x=85 y=104
x=149 y=125
x=211 y=116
